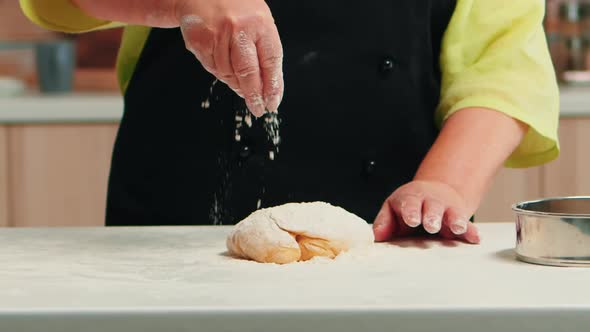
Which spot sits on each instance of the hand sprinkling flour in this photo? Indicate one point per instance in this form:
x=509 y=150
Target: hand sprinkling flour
x=239 y=44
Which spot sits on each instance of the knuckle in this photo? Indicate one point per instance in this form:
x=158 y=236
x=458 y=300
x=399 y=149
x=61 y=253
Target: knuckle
x=253 y=95
x=402 y=203
x=272 y=62
x=244 y=48
x=225 y=77
x=243 y=22
x=273 y=86
x=189 y=22
x=247 y=70
x=412 y=197
x=230 y=22
x=255 y=99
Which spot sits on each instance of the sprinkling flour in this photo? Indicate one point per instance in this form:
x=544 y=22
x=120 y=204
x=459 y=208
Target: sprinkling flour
x=271 y=124
x=205 y=104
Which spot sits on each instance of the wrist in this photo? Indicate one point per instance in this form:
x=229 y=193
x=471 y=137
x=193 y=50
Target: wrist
x=162 y=14
x=153 y=13
x=470 y=149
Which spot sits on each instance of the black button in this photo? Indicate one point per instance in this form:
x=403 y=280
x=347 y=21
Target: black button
x=245 y=151
x=369 y=167
x=387 y=65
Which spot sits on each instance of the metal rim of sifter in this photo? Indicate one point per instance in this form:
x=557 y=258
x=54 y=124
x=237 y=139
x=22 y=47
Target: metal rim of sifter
x=520 y=207
x=528 y=209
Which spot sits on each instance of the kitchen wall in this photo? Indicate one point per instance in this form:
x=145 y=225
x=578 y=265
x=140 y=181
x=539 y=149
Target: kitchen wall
x=95 y=52
x=14 y=26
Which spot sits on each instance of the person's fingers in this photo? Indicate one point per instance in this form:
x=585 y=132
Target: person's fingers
x=199 y=40
x=221 y=53
x=446 y=233
x=384 y=224
x=270 y=57
x=409 y=208
x=456 y=225
x=471 y=235
x=432 y=215
x=455 y=221
x=246 y=68
x=389 y=225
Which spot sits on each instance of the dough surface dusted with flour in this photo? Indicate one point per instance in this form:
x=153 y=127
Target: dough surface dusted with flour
x=298 y=232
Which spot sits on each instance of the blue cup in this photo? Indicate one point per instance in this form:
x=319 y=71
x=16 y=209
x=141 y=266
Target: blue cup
x=56 y=63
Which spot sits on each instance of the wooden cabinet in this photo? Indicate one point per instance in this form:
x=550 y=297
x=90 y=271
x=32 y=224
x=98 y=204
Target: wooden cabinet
x=56 y=175
x=569 y=175
x=509 y=187
x=3 y=177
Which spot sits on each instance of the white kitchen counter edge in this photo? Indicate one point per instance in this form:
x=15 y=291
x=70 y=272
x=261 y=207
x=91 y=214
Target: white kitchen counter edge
x=108 y=108
x=62 y=108
x=575 y=101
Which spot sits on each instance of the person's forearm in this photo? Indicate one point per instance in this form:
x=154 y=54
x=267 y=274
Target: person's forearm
x=155 y=13
x=472 y=146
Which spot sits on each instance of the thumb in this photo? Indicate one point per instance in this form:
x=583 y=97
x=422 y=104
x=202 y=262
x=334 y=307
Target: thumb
x=383 y=226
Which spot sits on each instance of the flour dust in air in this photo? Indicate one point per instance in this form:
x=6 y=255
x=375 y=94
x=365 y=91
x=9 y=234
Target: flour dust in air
x=271 y=125
x=206 y=104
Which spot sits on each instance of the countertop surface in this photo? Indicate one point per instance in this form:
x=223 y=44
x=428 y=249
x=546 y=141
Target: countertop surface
x=97 y=107
x=180 y=279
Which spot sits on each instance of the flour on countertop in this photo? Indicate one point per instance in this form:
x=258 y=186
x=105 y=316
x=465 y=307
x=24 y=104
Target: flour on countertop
x=369 y=254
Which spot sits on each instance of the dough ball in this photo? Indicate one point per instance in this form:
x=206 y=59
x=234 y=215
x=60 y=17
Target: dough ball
x=298 y=232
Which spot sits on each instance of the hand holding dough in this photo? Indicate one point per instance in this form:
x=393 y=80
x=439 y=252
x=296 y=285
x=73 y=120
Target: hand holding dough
x=298 y=232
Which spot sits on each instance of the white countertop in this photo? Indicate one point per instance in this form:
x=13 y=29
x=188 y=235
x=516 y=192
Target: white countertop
x=61 y=108
x=179 y=279
x=575 y=101
x=89 y=108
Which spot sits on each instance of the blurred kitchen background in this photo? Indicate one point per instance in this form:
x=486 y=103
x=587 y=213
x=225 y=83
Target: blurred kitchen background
x=60 y=107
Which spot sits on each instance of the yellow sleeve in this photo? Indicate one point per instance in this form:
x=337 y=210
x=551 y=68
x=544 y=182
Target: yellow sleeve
x=62 y=15
x=495 y=55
